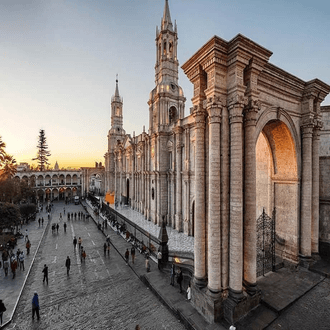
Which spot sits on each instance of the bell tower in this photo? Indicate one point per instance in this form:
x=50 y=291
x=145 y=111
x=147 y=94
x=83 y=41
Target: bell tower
x=166 y=102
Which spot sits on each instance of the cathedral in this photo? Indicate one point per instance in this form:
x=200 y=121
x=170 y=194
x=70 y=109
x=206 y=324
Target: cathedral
x=249 y=146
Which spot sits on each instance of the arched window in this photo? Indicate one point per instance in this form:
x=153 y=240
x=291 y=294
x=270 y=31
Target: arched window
x=170 y=49
x=173 y=115
x=164 y=48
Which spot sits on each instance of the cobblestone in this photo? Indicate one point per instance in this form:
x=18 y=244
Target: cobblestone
x=102 y=293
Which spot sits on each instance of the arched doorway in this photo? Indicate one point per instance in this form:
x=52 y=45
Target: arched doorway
x=277 y=184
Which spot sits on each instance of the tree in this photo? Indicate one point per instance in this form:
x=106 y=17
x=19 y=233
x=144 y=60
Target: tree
x=9 y=215
x=43 y=153
x=28 y=211
x=7 y=163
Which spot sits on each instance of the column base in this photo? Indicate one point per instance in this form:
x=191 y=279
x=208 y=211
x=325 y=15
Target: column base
x=251 y=288
x=207 y=303
x=305 y=261
x=238 y=304
x=200 y=282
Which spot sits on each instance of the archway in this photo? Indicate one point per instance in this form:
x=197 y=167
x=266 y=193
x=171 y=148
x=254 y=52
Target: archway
x=277 y=184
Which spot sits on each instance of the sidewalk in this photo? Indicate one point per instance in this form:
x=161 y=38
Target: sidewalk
x=159 y=283
x=11 y=289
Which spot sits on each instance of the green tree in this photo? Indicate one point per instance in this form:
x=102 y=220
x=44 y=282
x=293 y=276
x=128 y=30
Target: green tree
x=43 y=153
x=27 y=211
x=7 y=163
x=9 y=215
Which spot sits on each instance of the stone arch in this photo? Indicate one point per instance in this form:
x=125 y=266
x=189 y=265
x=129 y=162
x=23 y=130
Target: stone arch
x=277 y=181
x=68 y=179
x=48 y=180
x=172 y=114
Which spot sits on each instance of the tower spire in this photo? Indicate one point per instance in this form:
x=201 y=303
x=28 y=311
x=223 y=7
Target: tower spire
x=166 y=21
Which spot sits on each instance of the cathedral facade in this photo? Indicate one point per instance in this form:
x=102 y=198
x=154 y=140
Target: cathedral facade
x=249 y=145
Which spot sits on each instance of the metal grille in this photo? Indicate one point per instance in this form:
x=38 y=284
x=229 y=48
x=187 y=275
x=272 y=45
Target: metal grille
x=265 y=243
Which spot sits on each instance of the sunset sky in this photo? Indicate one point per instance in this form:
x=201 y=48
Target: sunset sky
x=59 y=60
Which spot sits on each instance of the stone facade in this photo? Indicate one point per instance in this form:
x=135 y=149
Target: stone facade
x=324 y=225
x=250 y=142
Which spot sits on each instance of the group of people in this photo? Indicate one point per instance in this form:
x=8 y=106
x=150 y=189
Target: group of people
x=81 y=215
x=13 y=260
x=81 y=250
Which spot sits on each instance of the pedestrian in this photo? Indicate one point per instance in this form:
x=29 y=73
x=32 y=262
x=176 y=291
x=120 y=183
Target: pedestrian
x=13 y=267
x=45 y=271
x=28 y=246
x=2 y=310
x=67 y=265
x=79 y=243
x=133 y=253
x=108 y=248
x=108 y=239
x=172 y=272
x=26 y=235
x=180 y=279
x=64 y=227
x=21 y=260
x=147 y=264
x=68 y=216
x=105 y=249
x=189 y=292
x=137 y=327
x=126 y=256
x=159 y=258
x=83 y=255
x=35 y=306
x=39 y=221
x=57 y=227
x=6 y=266
x=64 y=210
x=60 y=216
x=74 y=243
x=42 y=221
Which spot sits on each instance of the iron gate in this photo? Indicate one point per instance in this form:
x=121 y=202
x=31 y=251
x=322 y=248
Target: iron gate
x=265 y=243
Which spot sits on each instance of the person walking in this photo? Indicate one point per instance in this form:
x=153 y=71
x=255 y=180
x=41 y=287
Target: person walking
x=21 y=260
x=126 y=256
x=180 y=279
x=67 y=265
x=26 y=235
x=105 y=249
x=13 y=266
x=172 y=275
x=159 y=258
x=28 y=246
x=57 y=227
x=42 y=221
x=2 y=310
x=189 y=292
x=45 y=271
x=133 y=253
x=35 y=306
x=108 y=248
x=64 y=227
x=39 y=221
x=74 y=243
x=79 y=243
x=147 y=264
x=6 y=266
x=83 y=255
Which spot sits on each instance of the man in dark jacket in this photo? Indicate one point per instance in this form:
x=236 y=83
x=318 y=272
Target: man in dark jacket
x=45 y=271
x=2 y=309
x=67 y=265
x=35 y=306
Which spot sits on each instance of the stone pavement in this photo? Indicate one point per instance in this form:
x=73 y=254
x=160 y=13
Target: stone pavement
x=176 y=241
x=10 y=289
x=102 y=293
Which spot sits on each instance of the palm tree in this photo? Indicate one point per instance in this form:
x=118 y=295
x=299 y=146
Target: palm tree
x=7 y=162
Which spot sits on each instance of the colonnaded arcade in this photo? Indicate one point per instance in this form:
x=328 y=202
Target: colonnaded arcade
x=250 y=143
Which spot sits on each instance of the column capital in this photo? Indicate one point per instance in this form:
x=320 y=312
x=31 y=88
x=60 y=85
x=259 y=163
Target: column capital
x=251 y=111
x=199 y=116
x=214 y=106
x=307 y=126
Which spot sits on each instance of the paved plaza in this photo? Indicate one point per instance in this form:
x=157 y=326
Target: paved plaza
x=105 y=293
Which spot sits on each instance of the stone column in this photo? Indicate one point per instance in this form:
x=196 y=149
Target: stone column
x=214 y=230
x=250 y=221
x=200 y=244
x=316 y=189
x=132 y=181
x=178 y=213
x=236 y=202
x=306 y=189
x=225 y=184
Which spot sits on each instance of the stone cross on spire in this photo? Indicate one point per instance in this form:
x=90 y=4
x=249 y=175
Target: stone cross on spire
x=166 y=21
